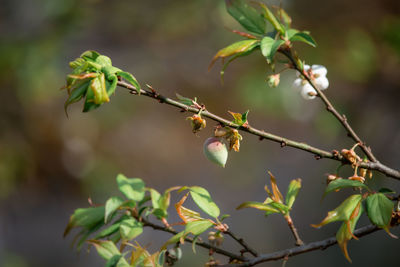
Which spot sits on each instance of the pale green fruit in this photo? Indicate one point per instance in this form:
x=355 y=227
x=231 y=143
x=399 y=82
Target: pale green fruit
x=216 y=151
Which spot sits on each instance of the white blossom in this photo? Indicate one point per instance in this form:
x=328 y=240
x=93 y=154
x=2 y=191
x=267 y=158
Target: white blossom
x=318 y=74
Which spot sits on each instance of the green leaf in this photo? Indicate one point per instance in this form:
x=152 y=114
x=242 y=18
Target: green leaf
x=111 y=85
x=343 y=183
x=111 y=206
x=89 y=102
x=290 y=33
x=269 y=46
x=234 y=49
x=303 y=37
x=131 y=79
x=98 y=86
x=113 y=261
x=184 y=100
x=386 y=191
x=257 y=205
x=108 y=231
x=203 y=200
x=106 y=249
x=175 y=239
x=77 y=93
x=238 y=118
x=104 y=61
x=345 y=232
x=86 y=218
x=379 y=209
x=155 y=198
x=198 y=227
x=293 y=190
x=130 y=228
x=132 y=188
x=285 y=18
x=90 y=55
x=246 y=15
x=194 y=227
x=272 y=19
x=343 y=211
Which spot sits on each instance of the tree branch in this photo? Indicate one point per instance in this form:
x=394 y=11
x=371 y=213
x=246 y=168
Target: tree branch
x=286 y=253
x=294 y=231
x=319 y=153
x=242 y=243
x=341 y=118
x=215 y=249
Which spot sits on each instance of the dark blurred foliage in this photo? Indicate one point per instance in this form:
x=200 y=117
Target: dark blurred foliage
x=50 y=165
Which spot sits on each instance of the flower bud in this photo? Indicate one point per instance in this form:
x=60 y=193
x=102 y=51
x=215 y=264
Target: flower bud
x=273 y=80
x=215 y=151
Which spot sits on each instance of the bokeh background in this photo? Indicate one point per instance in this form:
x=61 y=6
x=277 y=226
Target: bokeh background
x=51 y=164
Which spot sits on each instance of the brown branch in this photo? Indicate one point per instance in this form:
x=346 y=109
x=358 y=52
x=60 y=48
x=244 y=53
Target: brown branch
x=341 y=118
x=199 y=243
x=294 y=231
x=242 y=243
x=286 y=253
x=319 y=153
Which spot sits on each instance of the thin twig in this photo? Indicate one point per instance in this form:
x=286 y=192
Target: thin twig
x=246 y=247
x=294 y=231
x=215 y=249
x=286 y=253
x=265 y=135
x=341 y=118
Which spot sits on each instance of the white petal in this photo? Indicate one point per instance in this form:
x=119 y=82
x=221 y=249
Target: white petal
x=319 y=70
x=322 y=82
x=308 y=92
x=297 y=84
x=306 y=68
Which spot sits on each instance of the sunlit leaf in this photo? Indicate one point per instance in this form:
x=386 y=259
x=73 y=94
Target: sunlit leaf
x=111 y=206
x=342 y=212
x=89 y=102
x=234 y=49
x=194 y=227
x=90 y=55
x=257 y=205
x=277 y=196
x=132 y=188
x=246 y=15
x=130 y=228
x=204 y=201
x=293 y=190
x=272 y=19
x=343 y=183
x=238 y=118
x=103 y=61
x=269 y=46
x=187 y=215
x=106 y=249
x=130 y=78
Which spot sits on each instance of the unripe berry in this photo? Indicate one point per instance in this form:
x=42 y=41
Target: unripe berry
x=216 y=151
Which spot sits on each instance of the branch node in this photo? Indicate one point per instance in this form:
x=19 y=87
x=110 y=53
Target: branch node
x=283 y=144
x=317 y=157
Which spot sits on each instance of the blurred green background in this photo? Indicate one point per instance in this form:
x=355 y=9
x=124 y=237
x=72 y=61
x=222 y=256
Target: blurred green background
x=50 y=164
